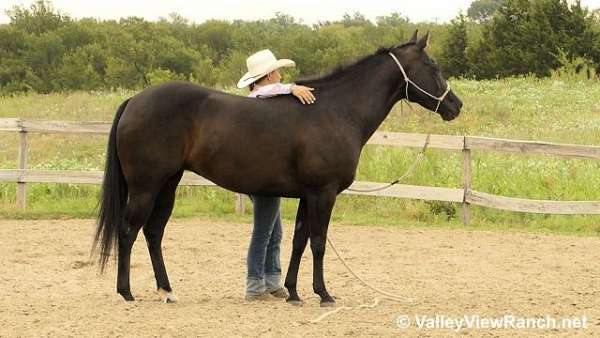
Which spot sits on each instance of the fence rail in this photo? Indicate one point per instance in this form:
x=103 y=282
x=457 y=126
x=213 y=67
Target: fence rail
x=464 y=195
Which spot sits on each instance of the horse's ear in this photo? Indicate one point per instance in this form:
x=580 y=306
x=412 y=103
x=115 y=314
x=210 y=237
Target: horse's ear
x=424 y=41
x=413 y=39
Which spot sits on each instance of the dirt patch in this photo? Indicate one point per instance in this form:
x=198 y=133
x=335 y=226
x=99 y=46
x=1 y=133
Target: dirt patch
x=49 y=289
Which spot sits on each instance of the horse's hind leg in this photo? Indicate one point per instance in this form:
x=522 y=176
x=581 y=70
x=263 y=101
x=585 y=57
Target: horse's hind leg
x=154 y=230
x=139 y=207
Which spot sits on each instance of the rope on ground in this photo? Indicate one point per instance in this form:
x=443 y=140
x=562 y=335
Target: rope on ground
x=327 y=314
x=386 y=295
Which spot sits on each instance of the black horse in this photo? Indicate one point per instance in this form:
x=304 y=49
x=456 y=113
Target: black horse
x=272 y=147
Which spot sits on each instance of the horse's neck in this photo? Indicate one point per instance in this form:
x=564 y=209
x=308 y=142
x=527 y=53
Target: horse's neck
x=367 y=95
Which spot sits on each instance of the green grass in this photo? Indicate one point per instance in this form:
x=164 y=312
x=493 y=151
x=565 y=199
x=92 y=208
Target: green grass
x=521 y=108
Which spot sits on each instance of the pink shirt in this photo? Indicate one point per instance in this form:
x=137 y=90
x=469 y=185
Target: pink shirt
x=271 y=90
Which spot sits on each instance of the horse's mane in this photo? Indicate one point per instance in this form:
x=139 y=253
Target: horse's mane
x=349 y=68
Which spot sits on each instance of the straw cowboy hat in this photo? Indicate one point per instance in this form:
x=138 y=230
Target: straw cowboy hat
x=260 y=64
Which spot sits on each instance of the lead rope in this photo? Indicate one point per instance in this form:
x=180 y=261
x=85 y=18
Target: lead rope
x=409 y=171
x=420 y=156
x=386 y=295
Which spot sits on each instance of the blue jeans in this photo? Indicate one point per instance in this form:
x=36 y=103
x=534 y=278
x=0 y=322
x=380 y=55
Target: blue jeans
x=264 y=269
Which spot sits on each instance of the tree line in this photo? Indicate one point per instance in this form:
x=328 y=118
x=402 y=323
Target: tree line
x=44 y=50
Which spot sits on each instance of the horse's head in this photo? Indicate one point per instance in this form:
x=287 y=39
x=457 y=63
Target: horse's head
x=424 y=82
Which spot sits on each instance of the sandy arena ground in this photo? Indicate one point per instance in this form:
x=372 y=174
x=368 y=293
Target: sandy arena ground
x=49 y=289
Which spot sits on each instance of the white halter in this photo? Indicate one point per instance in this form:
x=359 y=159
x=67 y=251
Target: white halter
x=409 y=81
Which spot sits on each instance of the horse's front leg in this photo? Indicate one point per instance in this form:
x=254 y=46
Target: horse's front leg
x=319 y=209
x=301 y=234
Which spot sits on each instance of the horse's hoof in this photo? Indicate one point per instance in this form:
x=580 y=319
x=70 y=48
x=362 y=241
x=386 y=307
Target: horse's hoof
x=328 y=301
x=295 y=302
x=127 y=296
x=168 y=297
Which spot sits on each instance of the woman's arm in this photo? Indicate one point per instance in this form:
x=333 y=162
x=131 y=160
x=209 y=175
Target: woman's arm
x=272 y=90
x=301 y=92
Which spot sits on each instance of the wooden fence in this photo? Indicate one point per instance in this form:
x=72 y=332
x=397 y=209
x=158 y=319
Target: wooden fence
x=465 y=144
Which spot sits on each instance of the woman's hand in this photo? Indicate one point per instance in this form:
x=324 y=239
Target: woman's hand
x=304 y=94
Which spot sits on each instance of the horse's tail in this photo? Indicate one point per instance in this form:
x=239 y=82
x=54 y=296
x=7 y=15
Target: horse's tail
x=113 y=199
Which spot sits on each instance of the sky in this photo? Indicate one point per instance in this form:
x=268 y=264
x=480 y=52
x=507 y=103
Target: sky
x=309 y=11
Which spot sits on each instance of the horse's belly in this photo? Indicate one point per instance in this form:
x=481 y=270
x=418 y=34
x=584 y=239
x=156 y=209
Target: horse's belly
x=260 y=175
x=256 y=186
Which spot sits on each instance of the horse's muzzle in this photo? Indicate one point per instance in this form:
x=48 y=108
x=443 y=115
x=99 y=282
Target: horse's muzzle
x=450 y=108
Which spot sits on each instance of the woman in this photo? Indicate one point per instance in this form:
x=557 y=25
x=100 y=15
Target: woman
x=264 y=269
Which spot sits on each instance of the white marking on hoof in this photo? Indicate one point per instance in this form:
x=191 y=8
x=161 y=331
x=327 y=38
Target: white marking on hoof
x=168 y=297
x=295 y=302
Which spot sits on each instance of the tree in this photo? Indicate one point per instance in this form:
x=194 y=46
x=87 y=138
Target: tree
x=44 y=50
x=38 y=19
x=453 y=60
x=218 y=36
x=392 y=20
x=232 y=68
x=483 y=10
x=526 y=36
x=123 y=74
x=357 y=19
x=78 y=70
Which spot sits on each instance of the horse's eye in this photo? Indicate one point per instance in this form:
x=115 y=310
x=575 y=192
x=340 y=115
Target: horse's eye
x=433 y=65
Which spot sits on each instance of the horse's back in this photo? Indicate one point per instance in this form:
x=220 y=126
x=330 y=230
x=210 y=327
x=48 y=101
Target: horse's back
x=166 y=98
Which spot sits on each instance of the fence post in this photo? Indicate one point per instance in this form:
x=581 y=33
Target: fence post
x=22 y=165
x=466 y=176
x=239 y=204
